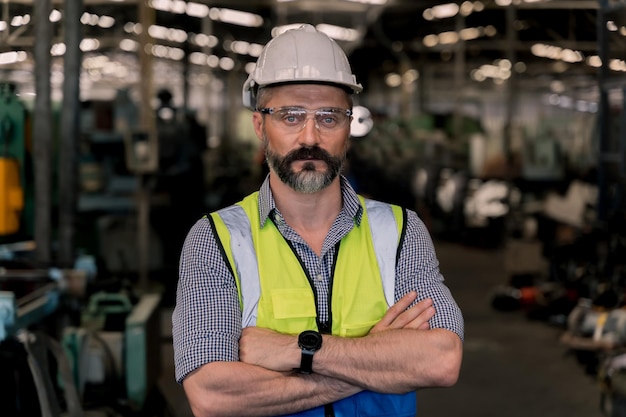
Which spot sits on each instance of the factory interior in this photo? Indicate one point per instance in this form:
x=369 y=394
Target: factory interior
x=502 y=123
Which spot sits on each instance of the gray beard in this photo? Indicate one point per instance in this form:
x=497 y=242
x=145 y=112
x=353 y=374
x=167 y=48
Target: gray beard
x=309 y=180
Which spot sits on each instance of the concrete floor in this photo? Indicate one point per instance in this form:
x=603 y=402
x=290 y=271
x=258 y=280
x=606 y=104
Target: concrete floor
x=512 y=366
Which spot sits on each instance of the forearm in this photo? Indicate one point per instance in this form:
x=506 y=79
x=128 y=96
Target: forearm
x=400 y=353
x=239 y=389
x=394 y=361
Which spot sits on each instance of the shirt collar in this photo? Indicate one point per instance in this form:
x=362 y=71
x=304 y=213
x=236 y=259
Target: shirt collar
x=351 y=203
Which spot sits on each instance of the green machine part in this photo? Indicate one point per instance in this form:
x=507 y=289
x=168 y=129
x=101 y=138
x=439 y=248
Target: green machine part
x=140 y=348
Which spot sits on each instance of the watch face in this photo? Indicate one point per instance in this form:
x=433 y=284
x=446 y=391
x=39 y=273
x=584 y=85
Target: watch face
x=310 y=340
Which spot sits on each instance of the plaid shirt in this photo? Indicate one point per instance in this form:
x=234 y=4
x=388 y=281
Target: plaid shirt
x=207 y=319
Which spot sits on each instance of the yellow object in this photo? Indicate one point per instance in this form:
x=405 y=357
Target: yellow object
x=11 y=196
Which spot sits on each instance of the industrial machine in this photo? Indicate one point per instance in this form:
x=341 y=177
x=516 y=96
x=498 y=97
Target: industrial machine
x=78 y=354
x=12 y=159
x=115 y=352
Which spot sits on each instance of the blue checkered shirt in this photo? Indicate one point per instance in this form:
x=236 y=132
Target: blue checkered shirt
x=206 y=323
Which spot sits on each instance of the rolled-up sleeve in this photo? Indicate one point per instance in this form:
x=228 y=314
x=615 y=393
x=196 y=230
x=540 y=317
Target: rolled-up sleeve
x=418 y=269
x=206 y=322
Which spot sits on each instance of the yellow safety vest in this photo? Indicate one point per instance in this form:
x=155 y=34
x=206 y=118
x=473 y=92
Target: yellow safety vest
x=275 y=292
x=278 y=287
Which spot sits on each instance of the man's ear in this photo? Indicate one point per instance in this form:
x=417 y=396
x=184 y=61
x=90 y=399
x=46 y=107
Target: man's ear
x=257 y=122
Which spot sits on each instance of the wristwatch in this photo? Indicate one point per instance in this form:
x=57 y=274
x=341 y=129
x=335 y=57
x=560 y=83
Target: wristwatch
x=310 y=341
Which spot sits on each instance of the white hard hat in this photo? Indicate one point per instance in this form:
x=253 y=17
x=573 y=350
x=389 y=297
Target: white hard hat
x=300 y=55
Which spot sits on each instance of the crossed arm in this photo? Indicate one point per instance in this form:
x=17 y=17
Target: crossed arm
x=400 y=354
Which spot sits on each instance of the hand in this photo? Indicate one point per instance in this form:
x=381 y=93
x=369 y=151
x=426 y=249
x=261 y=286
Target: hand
x=269 y=349
x=398 y=317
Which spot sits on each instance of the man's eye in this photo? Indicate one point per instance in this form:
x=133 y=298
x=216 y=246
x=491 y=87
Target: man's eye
x=292 y=117
x=327 y=118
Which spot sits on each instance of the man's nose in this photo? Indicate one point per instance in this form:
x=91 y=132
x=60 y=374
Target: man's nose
x=310 y=133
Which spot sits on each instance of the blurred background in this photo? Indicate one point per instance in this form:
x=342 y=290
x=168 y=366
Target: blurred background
x=501 y=122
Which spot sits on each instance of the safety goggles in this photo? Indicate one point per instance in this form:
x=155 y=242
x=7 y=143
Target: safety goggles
x=293 y=119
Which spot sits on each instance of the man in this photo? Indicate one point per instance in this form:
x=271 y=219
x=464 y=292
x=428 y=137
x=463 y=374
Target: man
x=305 y=298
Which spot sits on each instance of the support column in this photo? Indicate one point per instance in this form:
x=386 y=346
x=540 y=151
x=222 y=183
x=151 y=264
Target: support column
x=147 y=123
x=42 y=131
x=70 y=132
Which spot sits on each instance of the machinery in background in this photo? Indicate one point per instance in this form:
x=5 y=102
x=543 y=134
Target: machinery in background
x=12 y=160
x=30 y=300
x=79 y=346
x=115 y=352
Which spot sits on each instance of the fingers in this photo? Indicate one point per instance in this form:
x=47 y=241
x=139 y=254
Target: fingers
x=400 y=316
x=398 y=308
x=416 y=316
x=420 y=321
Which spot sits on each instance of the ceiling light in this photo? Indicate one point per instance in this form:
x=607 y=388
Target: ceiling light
x=89 y=19
x=106 y=22
x=373 y=2
x=479 y=6
x=250 y=67
x=55 y=16
x=236 y=17
x=170 y=34
x=89 y=44
x=448 y=38
x=393 y=79
x=441 y=11
x=338 y=32
x=134 y=28
x=178 y=6
x=197 y=58
x=410 y=76
x=490 y=30
x=255 y=49
x=478 y=75
x=58 y=49
x=617 y=65
x=20 y=20
x=12 y=57
x=197 y=10
x=227 y=63
x=519 y=67
x=430 y=40
x=467 y=7
x=468 y=34
x=594 y=61
x=505 y=64
x=213 y=61
x=129 y=45
x=203 y=40
x=93 y=62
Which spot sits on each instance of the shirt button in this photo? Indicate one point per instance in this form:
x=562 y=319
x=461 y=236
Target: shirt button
x=319 y=277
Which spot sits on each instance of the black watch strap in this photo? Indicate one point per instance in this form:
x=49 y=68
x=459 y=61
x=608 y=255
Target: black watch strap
x=306 y=362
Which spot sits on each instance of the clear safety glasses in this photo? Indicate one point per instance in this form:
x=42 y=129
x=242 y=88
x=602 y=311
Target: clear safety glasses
x=293 y=119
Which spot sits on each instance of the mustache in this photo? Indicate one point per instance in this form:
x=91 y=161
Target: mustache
x=314 y=152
